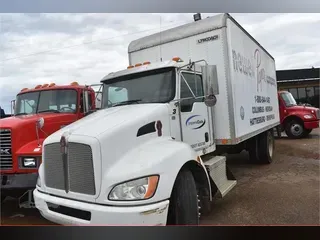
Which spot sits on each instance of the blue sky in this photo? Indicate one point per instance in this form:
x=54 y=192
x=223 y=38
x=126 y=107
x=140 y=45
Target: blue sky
x=62 y=48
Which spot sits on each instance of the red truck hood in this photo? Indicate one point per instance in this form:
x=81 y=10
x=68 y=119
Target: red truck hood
x=15 y=122
x=302 y=108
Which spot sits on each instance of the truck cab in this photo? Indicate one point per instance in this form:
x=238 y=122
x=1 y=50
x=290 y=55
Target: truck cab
x=296 y=120
x=38 y=112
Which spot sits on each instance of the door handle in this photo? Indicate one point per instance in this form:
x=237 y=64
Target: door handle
x=206 y=137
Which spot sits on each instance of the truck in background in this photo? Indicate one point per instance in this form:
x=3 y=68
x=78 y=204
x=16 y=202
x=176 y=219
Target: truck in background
x=297 y=121
x=149 y=156
x=38 y=112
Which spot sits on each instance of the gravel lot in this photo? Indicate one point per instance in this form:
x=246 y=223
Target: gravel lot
x=285 y=192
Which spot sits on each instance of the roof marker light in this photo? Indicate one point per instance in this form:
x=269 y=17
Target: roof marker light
x=130 y=67
x=146 y=63
x=177 y=59
x=45 y=85
x=38 y=86
x=74 y=84
x=138 y=65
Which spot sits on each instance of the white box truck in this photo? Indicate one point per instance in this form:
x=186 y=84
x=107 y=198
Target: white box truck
x=149 y=156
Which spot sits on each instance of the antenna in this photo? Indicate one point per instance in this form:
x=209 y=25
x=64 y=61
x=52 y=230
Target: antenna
x=160 y=49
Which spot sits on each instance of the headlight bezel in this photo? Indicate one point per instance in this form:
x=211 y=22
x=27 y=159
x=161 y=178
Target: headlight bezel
x=22 y=164
x=153 y=183
x=308 y=116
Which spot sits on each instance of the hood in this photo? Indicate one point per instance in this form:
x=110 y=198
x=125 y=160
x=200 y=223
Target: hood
x=302 y=108
x=111 y=118
x=16 y=122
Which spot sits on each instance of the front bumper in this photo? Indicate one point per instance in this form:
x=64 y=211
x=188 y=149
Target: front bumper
x=311 y=125
x=18 y=181
x=71 y=212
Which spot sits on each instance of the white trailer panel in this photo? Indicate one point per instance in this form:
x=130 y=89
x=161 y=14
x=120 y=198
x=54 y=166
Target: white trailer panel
x=253 y=83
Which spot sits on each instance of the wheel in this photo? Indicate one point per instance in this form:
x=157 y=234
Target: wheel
x=184 y=208
x=266 y=147
x=294 y=129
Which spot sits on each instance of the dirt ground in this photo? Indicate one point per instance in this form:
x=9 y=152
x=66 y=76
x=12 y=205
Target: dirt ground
x=284 y=192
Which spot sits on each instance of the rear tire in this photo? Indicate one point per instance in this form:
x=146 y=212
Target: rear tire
x=184 y=208
x=294 y=129
x=253 y=150
x=266 y=147
x=3 y=197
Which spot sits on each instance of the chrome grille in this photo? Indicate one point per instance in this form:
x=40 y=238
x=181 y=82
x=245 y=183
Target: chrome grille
x=80 y=168
x=6 y=150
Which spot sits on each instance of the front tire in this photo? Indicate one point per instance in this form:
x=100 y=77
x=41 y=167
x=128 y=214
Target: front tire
x=184 y=208
x=294 y=129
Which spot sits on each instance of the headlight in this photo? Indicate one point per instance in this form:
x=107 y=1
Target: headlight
x=29 y=162
x=39 y=182
x=138 y=189
x=308 y=116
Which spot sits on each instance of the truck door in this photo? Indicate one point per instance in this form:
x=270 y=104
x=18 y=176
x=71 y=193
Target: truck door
x=194 y=113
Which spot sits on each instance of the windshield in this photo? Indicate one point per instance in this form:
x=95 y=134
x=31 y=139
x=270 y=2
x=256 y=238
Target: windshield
x=46 y=101
x=156 y=86
x=288 y=99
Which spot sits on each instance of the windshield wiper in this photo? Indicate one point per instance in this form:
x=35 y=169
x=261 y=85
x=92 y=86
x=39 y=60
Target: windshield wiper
x=127 y=102
x=23 y=113
x=291 y=105
x=49 y=110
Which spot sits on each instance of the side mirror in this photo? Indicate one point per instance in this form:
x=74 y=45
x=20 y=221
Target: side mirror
x=40 y=123
x=210 y=100
x=13 y=106
x=210 y=82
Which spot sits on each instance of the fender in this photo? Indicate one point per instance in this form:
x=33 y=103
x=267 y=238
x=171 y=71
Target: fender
x=31 y=148
x=295 y=114
x=160 y=156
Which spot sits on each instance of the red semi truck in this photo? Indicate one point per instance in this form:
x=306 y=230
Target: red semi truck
x=297 y=121
x=38 y=112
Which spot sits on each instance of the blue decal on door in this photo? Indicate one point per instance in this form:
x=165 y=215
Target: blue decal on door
x=195 y=122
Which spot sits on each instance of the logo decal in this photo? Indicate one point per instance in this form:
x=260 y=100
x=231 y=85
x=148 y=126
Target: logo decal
x=242 y=113
x=195 y=122
x=63 y=145
x=6 y=151
x=64 y=158
x=207 y=39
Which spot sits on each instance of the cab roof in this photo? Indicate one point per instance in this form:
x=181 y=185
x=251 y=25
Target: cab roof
x=52 y=86
x=147 y=66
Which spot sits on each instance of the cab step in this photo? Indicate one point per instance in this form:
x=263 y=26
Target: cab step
x=220 y=174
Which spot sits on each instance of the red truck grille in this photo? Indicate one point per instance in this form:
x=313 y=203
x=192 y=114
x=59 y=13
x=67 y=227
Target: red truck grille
x=5 y=149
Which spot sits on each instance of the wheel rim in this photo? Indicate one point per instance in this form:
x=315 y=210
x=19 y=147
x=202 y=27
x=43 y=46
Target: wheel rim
x=198 y=200
x=270 y=145
x=296 y=129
